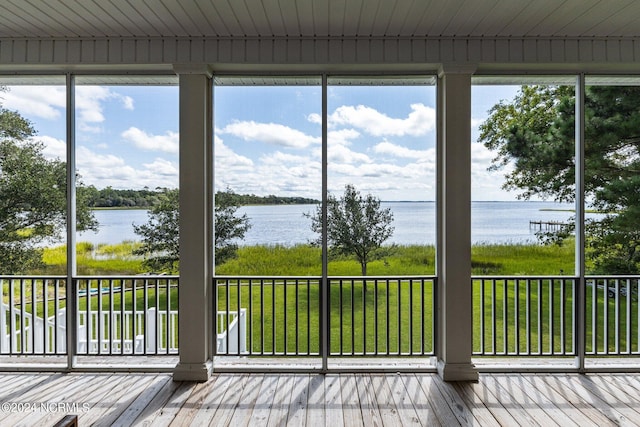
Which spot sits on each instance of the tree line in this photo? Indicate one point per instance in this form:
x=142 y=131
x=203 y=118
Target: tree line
x=145 y=198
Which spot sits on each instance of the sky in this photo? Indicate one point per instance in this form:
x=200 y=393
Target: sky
x=267 y=138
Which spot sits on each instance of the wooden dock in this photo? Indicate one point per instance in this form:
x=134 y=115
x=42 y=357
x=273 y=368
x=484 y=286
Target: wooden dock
x=547 y=225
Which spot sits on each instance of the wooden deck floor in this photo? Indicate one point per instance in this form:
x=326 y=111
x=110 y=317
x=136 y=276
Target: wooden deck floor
x=315 y=400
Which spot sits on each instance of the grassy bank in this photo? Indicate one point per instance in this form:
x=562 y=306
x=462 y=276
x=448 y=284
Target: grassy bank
x=94 y=259
x=305 y=260
x=514 y=259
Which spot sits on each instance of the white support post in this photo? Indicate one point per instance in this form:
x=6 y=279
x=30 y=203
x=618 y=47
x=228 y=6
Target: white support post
x=580 y=269
x=72 y=301
x=195 y=242
x=454 y=275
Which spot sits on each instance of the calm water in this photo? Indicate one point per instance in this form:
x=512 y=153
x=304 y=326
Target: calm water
x=414 y=222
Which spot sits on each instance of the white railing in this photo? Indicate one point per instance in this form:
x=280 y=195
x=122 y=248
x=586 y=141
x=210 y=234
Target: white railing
x=112 y=332
x=126 y=315
x=232 y=332
x=98 y=333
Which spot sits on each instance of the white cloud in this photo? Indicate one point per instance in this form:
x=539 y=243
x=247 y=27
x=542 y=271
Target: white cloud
x=53 y=148
x=340 y=154
x=104 y=170
x=342 y=136
x=162 y=167
x=47 y=102
x=315 y=118
x=127 y=102
x=395 y=150
x=420 y=120
x=90 y=102
x=169 y=142
x=476 y=122
x=270 y=133
x=226 y=160
x=485 y=184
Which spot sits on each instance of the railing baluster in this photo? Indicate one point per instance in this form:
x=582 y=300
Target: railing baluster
x=481 y=320
x=353 y=320
x=309 y=313
x=628 y=317
x=375 y=316
x=422 y=309
x=250 y=315
x=399 y=314
x=505 y=315
x=56 y=303
x=516 y=311
x=34 y=317
x=23 y=334
x=238 y=308
x=606 y=318
x=616 y=313
x=364 y=316
x=273 y=316
x=539 y=316
x=562 y=319
x=297 y=336
x=552 y=285
x=528 y=315
x=494 y=344
x=388 y=316
x=410 y=317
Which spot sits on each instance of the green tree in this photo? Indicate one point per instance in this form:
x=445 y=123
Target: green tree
x=229 y=227
x=535 y=134
x=356 y=225
x=160 y=235
x=32 y=196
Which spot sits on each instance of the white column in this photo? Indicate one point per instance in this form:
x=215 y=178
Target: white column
x=194 y=292
x=72 y=301
x=454 y=258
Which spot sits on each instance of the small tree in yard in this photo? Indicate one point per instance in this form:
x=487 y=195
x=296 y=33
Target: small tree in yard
x=160 y=235
x=356 y=225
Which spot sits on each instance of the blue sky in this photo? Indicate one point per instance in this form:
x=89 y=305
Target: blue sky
x=267 y=138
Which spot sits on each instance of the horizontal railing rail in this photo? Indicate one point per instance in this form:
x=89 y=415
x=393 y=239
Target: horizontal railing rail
x=368 y=316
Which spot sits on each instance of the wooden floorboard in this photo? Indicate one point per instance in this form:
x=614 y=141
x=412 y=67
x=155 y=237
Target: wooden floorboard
x=334 y=400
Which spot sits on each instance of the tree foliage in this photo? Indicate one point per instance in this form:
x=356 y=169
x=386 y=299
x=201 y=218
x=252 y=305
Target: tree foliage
x=356 y=226
x=160 y=235
x=109 y=197
x=32 y=196
x=535 y=133
x=229 y=227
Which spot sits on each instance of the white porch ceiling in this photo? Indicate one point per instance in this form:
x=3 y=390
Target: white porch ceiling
x=82 y=19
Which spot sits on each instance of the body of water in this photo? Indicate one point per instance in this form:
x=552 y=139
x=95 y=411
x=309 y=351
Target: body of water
x=414 y=223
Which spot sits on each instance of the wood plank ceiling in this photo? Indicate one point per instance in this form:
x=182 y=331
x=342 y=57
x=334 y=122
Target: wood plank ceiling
x=81 y=19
